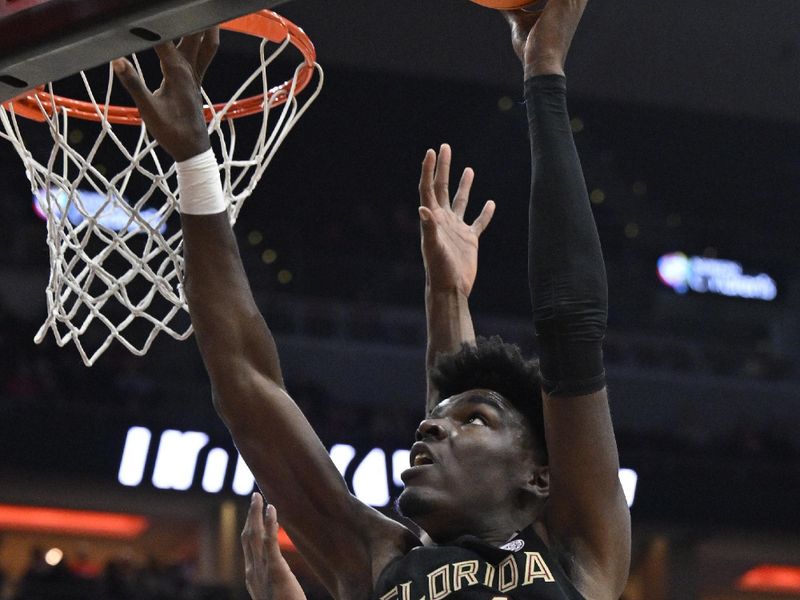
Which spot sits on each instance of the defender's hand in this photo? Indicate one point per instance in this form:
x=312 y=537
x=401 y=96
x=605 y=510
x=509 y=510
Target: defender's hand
x=173 y=114
x=267 y=575
x=449 y=245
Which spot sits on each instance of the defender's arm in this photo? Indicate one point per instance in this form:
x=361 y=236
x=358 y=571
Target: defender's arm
x=450 y=254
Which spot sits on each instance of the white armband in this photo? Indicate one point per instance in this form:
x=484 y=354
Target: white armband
x=199 y=185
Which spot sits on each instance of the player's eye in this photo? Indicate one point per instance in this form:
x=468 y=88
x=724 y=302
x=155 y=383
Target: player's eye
x=476 y=419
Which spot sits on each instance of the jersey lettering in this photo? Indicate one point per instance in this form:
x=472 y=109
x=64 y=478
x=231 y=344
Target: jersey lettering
x=488 y=578
x=449 y=573
x=464 y=572
x=404 y=591
x=390 y=595
x=536 y=568
x=456 y=576
x=439 y=583
x=508 y=574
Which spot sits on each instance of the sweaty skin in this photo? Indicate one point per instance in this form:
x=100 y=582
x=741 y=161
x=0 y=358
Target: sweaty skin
x=347 y=543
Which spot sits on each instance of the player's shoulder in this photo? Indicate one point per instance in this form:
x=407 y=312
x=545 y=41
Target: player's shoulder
x=388 y=542
x=578 y=567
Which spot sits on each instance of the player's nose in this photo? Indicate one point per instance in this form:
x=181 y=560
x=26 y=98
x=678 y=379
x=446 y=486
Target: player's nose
x=431 y=429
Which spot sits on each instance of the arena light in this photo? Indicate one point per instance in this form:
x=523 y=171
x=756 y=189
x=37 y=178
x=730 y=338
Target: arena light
x=628 y=478
x=108 y=213
x=783 y=579
x=284 y=542
x=54 y=556
x=243 y=481
x=400 y=461
x=216 y=466
x=72 y=522
x=714 y=276
x=134 y=456
x=370 y=482
x=177 y=459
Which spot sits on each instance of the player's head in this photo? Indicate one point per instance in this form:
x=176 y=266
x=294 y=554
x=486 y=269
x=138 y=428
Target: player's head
x=482 y=455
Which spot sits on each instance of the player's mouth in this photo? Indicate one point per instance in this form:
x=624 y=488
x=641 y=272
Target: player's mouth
x=420 y=455
x=420 y=460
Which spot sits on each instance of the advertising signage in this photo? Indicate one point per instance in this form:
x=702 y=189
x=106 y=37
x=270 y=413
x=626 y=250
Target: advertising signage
x=99 y=451
x=184 y=460
x=52 y=447
x=714 y=276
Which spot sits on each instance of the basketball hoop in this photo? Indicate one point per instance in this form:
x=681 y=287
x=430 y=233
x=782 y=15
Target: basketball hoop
x=117 y=263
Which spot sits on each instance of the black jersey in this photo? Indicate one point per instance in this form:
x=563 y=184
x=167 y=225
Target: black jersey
x=523 y=569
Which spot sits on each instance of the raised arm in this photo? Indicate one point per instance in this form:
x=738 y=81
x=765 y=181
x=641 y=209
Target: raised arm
x=450 y=254
x=343 y=540
x=587 y=517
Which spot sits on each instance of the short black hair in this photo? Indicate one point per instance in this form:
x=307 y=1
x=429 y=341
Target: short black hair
x=493 y=364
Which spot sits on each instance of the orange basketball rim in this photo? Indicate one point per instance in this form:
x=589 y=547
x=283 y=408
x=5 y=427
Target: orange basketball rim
x=264 y=24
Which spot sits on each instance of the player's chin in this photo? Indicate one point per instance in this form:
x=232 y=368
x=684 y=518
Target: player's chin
x=414 y=503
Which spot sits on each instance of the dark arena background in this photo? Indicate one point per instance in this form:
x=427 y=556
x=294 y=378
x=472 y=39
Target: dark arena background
x=687 y=119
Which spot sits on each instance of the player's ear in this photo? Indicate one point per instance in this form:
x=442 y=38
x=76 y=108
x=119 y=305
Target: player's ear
x=538 y=483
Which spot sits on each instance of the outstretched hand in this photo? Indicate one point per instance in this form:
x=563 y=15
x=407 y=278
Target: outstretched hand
x=541 y=38
x=173 y=113
x=449 y=245
x=267 y=575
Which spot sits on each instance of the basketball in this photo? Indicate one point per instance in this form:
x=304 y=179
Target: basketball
x=505 y=4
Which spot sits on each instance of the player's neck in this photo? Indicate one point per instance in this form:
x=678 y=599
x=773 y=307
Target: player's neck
x=493 y=529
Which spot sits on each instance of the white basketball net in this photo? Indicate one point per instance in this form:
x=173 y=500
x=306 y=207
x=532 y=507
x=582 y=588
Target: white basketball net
x=116 y=261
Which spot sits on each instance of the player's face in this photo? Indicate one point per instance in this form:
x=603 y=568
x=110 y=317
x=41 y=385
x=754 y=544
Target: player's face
x=472 y=460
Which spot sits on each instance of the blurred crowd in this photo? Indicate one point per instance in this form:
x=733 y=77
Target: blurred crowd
x=158 y=389
x=131 y=390
x=81 y=578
